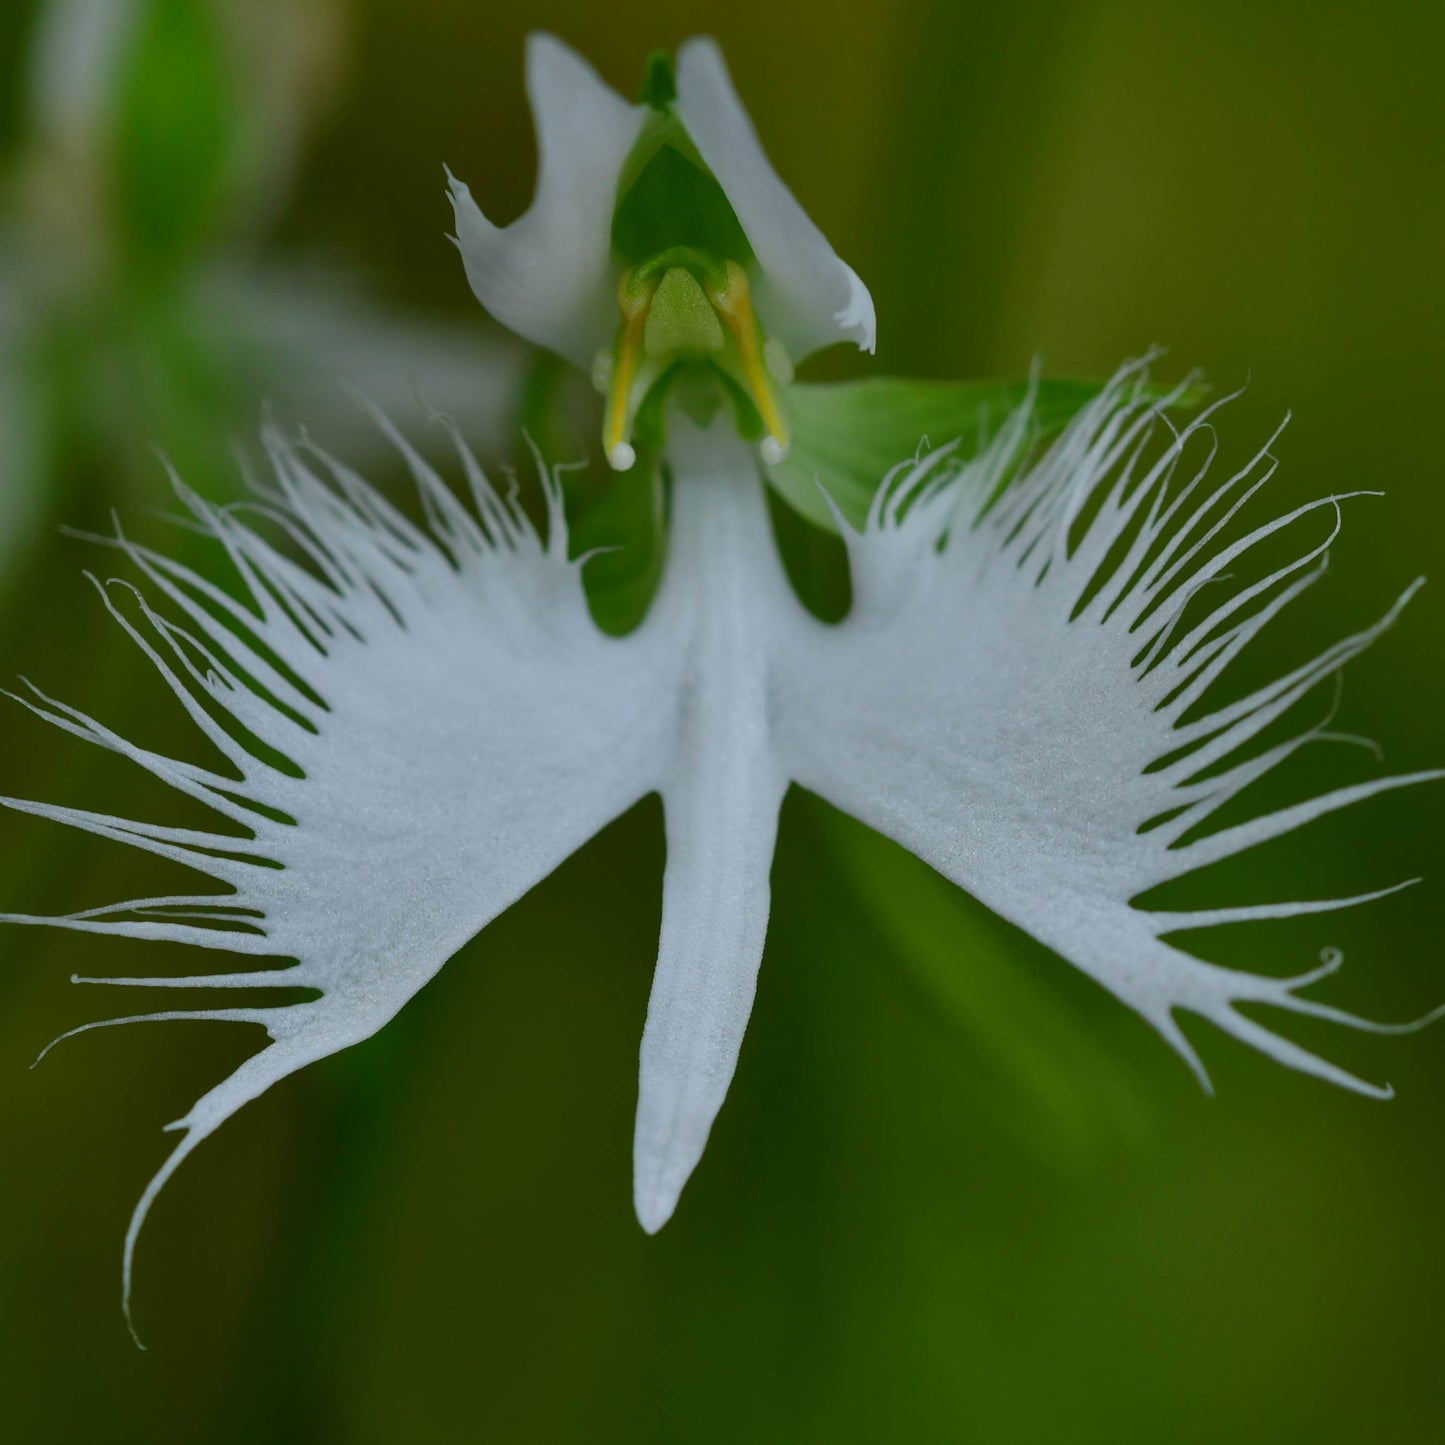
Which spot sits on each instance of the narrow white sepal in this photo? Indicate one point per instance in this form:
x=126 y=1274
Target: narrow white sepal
x=550 y=275
x=806 y=295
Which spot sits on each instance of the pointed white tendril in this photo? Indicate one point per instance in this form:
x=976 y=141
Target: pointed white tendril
x=411 y=726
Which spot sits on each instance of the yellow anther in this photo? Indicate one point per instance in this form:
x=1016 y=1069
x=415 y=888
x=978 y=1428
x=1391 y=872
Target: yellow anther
x=634 y=297
x=681 y=306
x=734 y=302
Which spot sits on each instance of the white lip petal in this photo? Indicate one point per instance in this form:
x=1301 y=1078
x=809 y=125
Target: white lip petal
x=974 y=711
x=724 y=602
x=454 y=723
x=549 y=276
x=985 y=709
x=805 y=294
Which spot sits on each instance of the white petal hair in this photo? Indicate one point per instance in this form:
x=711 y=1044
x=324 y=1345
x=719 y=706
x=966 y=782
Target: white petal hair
x=419 y=723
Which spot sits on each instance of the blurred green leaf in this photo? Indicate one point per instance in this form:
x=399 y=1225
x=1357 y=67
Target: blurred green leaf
x=613 y=518
x=846 y=435
x=618 y=517
x=1064 y=1095
x=177 y=131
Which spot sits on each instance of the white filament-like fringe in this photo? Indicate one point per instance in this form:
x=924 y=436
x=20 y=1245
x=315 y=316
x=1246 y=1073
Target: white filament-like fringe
x=1093 y=550
x=254 y=676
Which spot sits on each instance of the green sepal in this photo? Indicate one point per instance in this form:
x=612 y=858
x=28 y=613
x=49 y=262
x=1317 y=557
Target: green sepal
x=659 y=81
x=666 y=195
x=672 y=200
x=847 y=435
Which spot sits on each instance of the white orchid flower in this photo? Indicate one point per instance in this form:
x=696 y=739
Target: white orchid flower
x=420 y=724
x=709 y=240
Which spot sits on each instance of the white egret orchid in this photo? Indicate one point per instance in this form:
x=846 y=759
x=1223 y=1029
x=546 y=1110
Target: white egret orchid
x=422 y=723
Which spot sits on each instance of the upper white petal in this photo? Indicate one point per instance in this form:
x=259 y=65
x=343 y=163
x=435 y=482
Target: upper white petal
x=805 y=295
x=550 y=274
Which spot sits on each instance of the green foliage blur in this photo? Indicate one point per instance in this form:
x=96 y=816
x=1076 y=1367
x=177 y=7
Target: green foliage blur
x=956 y=1193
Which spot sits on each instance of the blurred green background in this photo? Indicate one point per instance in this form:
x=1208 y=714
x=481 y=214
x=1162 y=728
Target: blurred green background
x=956 y=1193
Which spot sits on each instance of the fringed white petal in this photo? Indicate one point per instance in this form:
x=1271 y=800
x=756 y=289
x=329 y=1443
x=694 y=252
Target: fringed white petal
x=1013 y=675
x=434 y=712
x=549 y=275
x=805 y=294
x=1013 y=698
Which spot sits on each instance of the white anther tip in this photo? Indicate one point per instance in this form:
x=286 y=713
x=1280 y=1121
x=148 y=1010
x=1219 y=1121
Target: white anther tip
x=773 y=450
x=621 y=457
